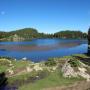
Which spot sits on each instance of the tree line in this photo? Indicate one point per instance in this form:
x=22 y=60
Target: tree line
x=31 y=33
x=71 y=34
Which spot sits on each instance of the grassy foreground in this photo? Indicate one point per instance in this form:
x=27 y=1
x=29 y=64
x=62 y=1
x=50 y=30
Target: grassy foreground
x=53 y=80
x=41 y=76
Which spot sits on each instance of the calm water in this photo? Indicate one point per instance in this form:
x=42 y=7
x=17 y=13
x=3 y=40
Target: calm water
x=42 y=49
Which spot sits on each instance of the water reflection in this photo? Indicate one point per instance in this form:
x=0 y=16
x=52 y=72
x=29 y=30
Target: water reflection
x=42 y=49
x=41 y=45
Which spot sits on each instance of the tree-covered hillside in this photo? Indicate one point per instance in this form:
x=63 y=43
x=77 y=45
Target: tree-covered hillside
x=26 y=32
x=3 y=34
x=70 y=34
x=31 y=33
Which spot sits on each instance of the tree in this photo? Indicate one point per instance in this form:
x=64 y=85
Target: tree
x=70 y=34
x=89 y=36
x=88 y=42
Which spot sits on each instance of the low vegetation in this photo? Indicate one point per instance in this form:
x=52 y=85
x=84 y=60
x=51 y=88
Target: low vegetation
x=50 y=62
x=52 y=80
x=27 y=75
x=74 y=63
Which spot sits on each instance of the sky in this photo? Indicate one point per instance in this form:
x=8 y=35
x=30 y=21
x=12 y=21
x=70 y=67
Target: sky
x=46 y=16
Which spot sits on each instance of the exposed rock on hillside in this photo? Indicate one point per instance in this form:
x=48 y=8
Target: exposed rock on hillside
x=15 y=37
x=74 y=71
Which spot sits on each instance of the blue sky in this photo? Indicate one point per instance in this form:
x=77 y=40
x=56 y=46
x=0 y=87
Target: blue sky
x=47 y=16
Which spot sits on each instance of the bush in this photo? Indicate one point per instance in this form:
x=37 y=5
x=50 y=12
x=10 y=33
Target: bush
x=50 y=62
x=74 y=63
x=6 y=57
x=4 y=62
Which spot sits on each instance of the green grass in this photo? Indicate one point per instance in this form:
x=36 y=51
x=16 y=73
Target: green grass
x=3 y=68
x=4 y=64
x=24 y=76
x=81 y=55
x=20 y=64
x=53 y=80
x=18 y=77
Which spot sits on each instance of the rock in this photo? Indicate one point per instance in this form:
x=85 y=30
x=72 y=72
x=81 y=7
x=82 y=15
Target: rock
x=28 y=69
x=9 y=61
x=10 y=64
x=24 y=58
x=15 y=59
x=10 y=71
x=37 y=67
x=37 y=76
x=82 y=72
x=69 y=71
x=54 y=68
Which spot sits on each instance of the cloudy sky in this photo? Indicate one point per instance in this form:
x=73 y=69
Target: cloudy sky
x=45 y=15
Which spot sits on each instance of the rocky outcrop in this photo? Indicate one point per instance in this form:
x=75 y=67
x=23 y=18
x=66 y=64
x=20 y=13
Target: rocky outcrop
x=15 y=37
x=69 y=71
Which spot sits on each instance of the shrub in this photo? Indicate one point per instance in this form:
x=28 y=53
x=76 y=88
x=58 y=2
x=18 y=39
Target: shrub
x=6 y=57
x=50 y=62
x=74 y=62
x=4 y=62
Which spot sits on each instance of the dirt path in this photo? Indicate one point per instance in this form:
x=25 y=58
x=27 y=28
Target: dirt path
x=77 y=86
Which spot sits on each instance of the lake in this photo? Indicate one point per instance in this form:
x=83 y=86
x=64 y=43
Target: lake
x=42 y=49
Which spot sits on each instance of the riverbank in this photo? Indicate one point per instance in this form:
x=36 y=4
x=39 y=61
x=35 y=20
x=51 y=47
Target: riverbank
x=56 y=72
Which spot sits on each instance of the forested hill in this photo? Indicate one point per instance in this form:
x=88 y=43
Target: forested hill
x=31 y=33
x=3 y=34
x=70 y=34
x=25 y=33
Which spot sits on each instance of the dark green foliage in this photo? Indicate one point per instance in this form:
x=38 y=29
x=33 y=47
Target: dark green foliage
x=70 y=34
x=26 y=33
x=3 y=34
x=74 y=63
x=50 y=62
x=89 y=36
x=6 y=57
x=31 y=33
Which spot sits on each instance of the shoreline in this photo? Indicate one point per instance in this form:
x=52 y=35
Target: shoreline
x=27 y=71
